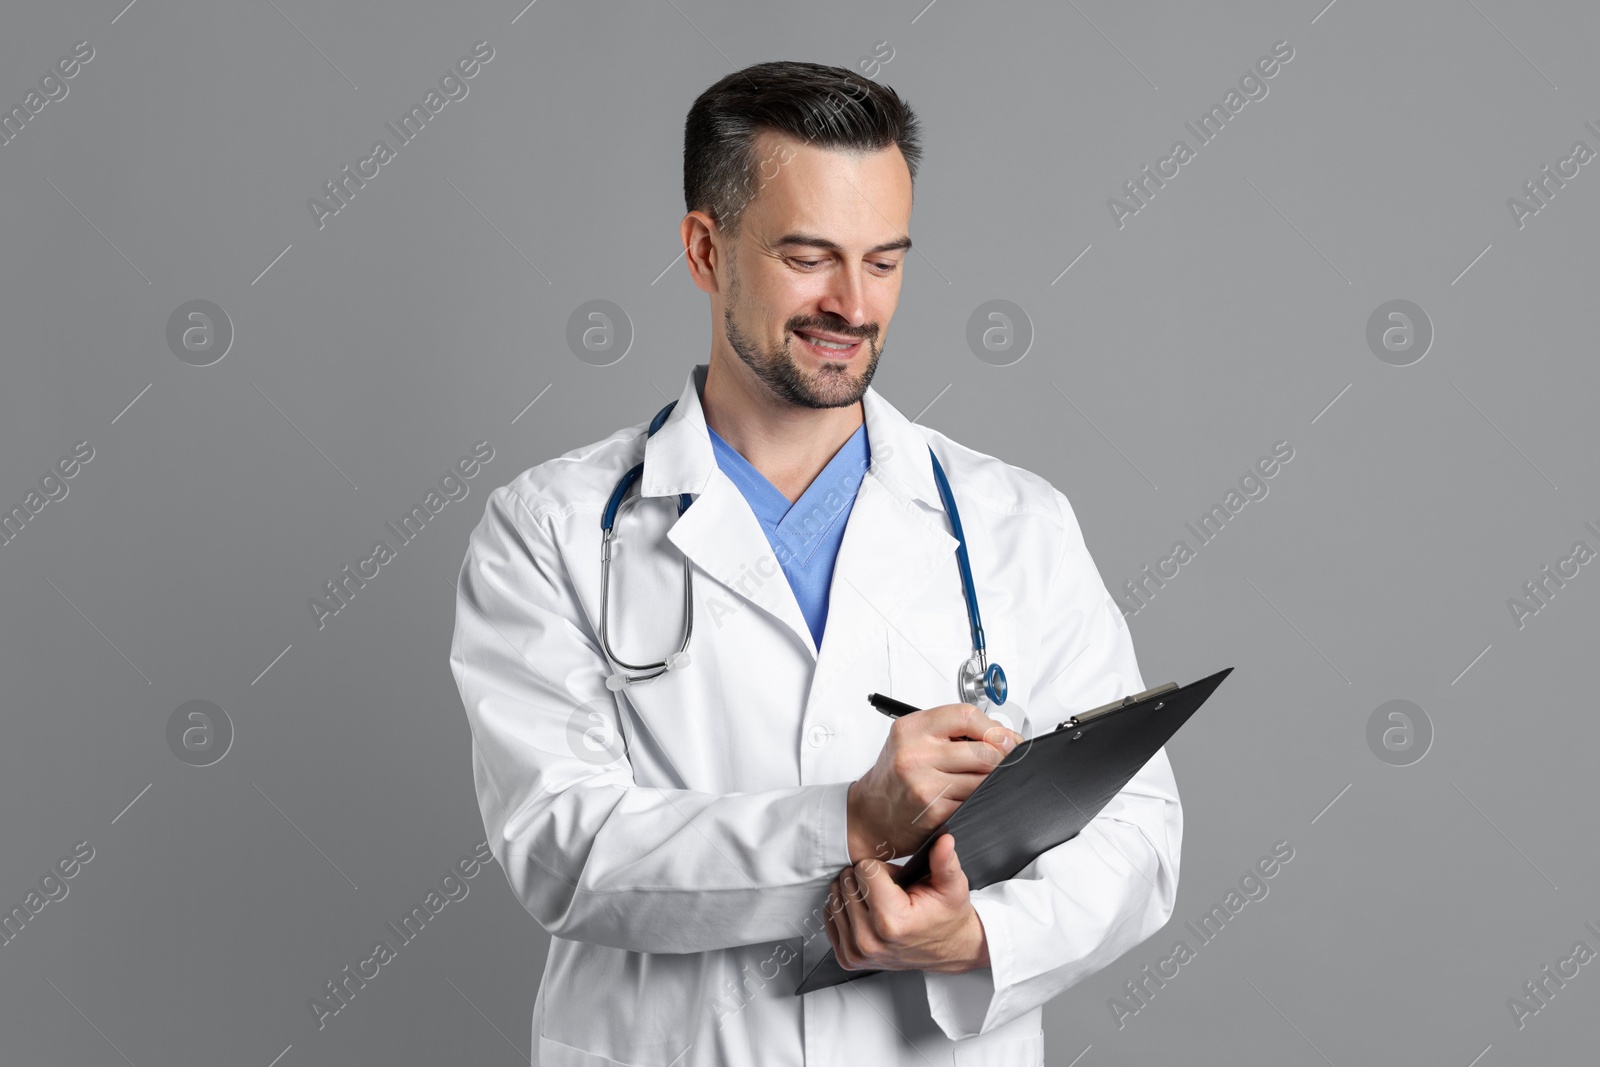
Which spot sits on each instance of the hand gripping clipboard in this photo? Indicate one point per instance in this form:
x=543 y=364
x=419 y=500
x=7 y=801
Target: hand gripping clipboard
x=1045 y=791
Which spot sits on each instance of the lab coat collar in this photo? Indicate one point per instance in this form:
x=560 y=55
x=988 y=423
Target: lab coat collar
x=891 y=546
x=678 y=458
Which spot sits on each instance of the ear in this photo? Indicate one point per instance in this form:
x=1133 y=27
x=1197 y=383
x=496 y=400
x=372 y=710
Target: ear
x=701 y=239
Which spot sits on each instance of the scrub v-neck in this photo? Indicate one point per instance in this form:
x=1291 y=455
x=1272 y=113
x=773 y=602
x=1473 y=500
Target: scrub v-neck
x=805 y=536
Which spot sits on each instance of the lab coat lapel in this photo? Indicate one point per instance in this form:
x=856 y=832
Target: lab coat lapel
x=895 y=542
x=719 y=533
x=721 y=536
x=896 y=538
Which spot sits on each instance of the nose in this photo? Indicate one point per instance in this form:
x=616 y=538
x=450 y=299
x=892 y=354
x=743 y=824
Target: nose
x=846 y=295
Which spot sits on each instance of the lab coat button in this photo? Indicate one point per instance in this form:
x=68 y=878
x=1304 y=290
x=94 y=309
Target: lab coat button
x=818 y=735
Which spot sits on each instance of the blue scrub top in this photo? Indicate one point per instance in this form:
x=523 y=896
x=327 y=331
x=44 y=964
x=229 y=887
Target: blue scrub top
x=805 y=536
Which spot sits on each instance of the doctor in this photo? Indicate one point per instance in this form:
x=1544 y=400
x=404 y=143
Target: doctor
x=677 y=767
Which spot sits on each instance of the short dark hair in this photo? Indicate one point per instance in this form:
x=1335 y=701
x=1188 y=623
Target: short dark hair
x=831 y=107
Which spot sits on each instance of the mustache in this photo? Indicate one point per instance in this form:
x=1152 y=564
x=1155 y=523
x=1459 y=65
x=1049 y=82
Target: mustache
x=865 y=333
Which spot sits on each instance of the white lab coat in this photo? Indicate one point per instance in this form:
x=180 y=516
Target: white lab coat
x=677 y=840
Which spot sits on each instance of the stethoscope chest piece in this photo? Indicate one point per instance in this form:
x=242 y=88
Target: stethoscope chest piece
x=980 y=685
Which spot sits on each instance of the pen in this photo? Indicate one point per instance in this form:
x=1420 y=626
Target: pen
x=890 y=706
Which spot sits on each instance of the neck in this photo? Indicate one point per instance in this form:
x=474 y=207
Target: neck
x=787 y=443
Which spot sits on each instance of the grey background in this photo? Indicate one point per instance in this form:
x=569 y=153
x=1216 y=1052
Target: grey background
x=1227 y=315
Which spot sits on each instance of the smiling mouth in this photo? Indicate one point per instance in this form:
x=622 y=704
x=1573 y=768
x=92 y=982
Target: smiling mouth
x=828 y=348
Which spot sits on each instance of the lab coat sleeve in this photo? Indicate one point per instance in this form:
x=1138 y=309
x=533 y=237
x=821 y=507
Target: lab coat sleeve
x=1079 y=906
x=590 y=854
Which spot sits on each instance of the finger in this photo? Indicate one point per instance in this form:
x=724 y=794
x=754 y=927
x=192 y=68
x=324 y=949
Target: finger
x=948 y=721
x=837 y=938
x=966 y=757
x=964 y=722
x=847 y=945
x=857 y=919
x=851 y=885
x=948 y=794
x=994 y=732
x=946 y=879
x=940 y=795
x=944 y=864
x=843 y=937
x=885 y=907
x=879 y=887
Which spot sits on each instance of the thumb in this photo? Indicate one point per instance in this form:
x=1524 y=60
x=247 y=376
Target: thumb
x=944 y=866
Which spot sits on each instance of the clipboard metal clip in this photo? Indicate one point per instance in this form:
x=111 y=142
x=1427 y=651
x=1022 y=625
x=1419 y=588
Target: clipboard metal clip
x=1106 y=709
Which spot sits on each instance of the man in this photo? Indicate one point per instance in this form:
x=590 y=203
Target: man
x=686 y=838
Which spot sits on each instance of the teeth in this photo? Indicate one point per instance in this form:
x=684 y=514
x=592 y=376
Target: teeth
x=820 y=343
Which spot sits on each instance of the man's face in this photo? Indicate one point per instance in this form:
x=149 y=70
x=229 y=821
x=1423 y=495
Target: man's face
x=817 y=263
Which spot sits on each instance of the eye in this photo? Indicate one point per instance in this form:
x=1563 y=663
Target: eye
x=888 y=268
x=807 y=263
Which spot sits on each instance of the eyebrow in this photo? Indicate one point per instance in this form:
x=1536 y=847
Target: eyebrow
x=814 y=241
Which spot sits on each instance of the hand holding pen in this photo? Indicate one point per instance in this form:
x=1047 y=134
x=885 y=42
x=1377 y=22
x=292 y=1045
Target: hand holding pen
x=926 y=768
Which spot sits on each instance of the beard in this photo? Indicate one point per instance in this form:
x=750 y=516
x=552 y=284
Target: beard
x=834 y=385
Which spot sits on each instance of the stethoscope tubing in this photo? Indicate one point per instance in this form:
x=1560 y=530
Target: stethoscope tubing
x=985 y=679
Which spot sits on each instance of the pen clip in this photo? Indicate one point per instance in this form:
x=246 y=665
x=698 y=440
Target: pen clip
x=1115 y=705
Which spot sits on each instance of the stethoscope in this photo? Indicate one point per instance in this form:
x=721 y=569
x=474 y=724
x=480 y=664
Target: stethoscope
x=980 y=682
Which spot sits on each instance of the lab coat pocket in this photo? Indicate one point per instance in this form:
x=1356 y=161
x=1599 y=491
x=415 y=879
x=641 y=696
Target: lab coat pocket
x=926 y=654
x=925 y=657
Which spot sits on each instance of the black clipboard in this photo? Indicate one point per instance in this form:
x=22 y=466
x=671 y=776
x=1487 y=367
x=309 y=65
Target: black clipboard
x=1045 y=791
